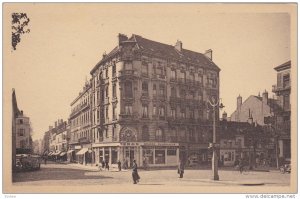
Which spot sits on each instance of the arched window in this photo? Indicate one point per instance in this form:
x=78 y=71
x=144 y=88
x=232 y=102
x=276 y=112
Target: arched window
x=159 y=135
x=145 y=133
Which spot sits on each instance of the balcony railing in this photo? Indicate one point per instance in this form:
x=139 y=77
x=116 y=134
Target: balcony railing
x=127 y=72
x=276 y=88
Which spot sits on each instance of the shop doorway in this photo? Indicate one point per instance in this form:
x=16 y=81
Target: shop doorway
x=129 y=155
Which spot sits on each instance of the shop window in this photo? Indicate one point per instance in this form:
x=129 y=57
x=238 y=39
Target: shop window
x=171 y=152
x=114 y=156
x=160 y=157
x=148 y=154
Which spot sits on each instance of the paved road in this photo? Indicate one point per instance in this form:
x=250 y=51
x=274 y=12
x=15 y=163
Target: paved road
x=72 y=174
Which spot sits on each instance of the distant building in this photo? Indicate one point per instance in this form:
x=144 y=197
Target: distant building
x=258 y=106
x=23 y=136
x=243 y=140
x=282 y=123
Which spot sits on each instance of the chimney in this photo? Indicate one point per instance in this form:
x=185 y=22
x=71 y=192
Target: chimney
x=178 y=46
x=104 y=55
x=208 y=54
x=250 y=119
x=121 y=38
x=239 y=102
x=224 y=116
x=55 y=124
x=265 y=97
x=50 y=128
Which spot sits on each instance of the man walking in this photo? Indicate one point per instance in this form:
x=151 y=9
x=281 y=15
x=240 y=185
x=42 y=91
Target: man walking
x=119 y=165
x=181 y=169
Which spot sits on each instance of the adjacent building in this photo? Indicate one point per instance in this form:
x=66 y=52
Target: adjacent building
x=80 y=145
x=282 y=115
x=148 y=103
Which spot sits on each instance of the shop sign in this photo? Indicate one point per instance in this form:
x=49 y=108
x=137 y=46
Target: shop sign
x=160 y=144
x=130 y=144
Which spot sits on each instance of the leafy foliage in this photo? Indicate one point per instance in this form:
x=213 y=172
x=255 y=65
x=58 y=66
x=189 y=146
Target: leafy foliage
x=19 y=23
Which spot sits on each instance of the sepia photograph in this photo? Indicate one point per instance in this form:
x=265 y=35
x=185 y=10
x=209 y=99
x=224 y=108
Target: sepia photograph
x=150 y=98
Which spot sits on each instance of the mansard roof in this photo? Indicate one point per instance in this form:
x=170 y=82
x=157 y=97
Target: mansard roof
x=163 y=50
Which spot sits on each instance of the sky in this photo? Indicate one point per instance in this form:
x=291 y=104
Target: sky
x=52 y=62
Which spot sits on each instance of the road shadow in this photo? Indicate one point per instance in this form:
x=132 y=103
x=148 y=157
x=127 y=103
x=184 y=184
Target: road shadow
x=54 y=174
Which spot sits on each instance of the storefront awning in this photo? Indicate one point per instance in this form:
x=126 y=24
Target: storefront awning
x=82 y=151
x=57 y=153
x=63 y=153
x=70 y=151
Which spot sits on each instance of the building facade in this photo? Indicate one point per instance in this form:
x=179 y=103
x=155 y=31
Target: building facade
x=282 y=115
x=80 y=127
x=23 y=134
x=258 y=106
x=148 y=103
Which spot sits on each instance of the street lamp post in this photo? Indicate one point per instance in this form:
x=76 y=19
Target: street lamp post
x=215 y=104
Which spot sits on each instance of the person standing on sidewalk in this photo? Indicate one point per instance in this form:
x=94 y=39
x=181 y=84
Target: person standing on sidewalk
x=106 y=165
x=180 y=169
x=135 y=174
x=119 y=165
x=241 y=165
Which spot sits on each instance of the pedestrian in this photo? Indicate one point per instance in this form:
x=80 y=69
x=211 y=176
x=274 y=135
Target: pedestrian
x=103 y=164
x=119 y=165
x=45 y=159
x=106 y=165
x=241 y=165
x=126 y=164
x=135 y=174
x=180 y=170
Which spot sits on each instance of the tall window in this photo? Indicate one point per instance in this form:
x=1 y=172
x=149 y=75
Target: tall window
x=286 y=102
x=144 y=88
x=128 y=109
x=106 y=92
x=182 y=113
x=145 y=111
x=114 y=70
x=106 y=112
x=154 y=89
x=159 y=135
x=114 y=113
x=154 y=110
x=145 y=133
x=286 y=80
x=145 y=68
x=21 y=132
x=161 y=111
x=173 y=92
x=106 y=73
x=162 y=90
x=173 y=113
x=128 y=89
x=173 y=74
x=114 y=91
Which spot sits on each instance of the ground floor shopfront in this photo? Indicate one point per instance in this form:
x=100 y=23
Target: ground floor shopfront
x=151 y=154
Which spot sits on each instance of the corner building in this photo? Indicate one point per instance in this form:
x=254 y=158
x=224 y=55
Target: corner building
x=148 y=103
